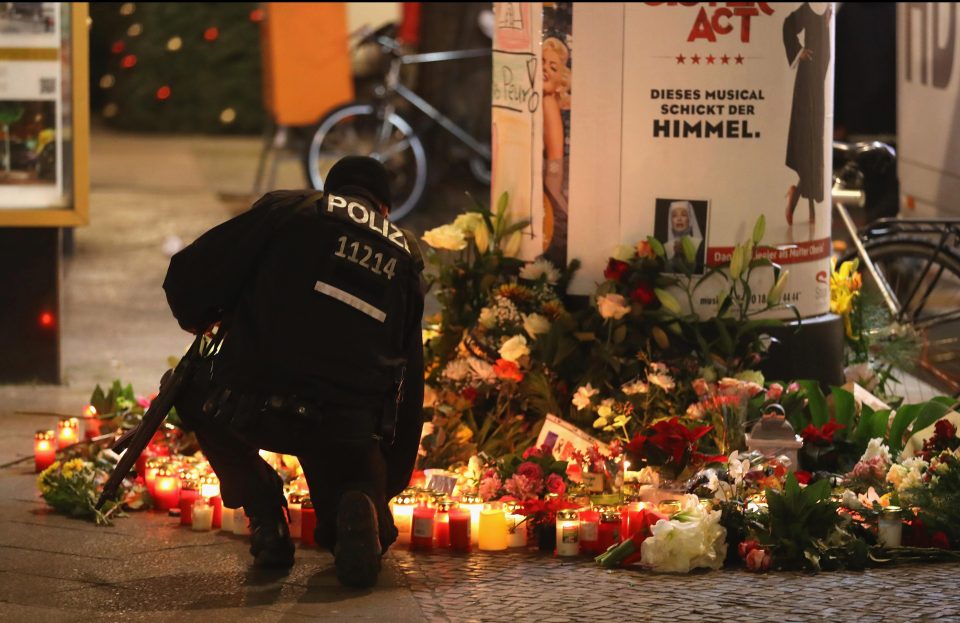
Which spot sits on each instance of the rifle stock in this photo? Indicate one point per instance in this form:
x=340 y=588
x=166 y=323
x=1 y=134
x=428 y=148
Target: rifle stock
x=133 y=442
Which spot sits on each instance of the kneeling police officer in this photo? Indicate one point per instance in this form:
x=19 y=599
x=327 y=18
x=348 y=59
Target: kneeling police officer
x=319 y=299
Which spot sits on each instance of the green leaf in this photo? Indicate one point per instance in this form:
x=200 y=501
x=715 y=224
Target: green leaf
x=724 y=338
x=689 y=251
x=905 y=416
x=620 y=334
x=816 y=402
x=844 y=409
x=668 y=301
x=930 y=412
x=758 y=229
x=657 y=246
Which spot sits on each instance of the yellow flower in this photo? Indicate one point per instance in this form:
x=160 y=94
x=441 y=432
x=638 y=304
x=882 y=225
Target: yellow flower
x=71 y=468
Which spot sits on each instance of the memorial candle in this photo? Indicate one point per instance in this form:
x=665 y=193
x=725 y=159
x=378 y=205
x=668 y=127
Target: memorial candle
x=210 y=489
x=201 y=516
x=226 y=519
x=241 y=523
x=44 y=452
x=91 y=423
x=473 y=504
x=890 y=527
x=516 y=525
x=610 y=529
x=294 y=512
x=441 y=524
x=68 y=432
x=634 y=517
x=421 y=532
x=189 y=494
x=402 y=508
x=153 y=465
x=590 y=531
x=492 y=528
x=460 y=539
x=308 y=519
x=568 y=533
x=166 y=490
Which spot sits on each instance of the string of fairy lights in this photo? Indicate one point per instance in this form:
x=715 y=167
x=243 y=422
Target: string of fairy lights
x=209 y=34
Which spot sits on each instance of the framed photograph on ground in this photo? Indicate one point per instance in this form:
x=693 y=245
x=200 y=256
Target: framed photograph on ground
x=44 y=114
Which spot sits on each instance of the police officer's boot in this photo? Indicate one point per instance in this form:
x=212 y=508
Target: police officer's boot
x=270 y=542
x=357 y=552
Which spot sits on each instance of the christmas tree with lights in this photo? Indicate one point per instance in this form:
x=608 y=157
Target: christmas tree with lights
x=177 y=67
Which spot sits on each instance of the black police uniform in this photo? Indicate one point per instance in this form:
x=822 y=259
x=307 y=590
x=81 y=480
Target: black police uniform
x=322 y=301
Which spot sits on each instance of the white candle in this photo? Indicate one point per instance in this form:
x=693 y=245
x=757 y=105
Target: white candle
x=402 y=509
x=516 y=527
x=202 y=516
x=241 y=525
x=890 y=527
x=294 y=510
x=568 y=533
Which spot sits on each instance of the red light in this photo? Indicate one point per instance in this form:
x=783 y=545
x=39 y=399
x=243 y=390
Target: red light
x=163 y=93
x=46 y=319
x=211 y=34
x=118 y=47
x=128 y=61
x=257 y=15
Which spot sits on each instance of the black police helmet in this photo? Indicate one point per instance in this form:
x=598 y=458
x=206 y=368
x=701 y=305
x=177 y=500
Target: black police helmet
x=360 y=172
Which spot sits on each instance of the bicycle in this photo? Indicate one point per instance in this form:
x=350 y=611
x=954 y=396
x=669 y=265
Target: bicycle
x=379 y=129
x=914 y=264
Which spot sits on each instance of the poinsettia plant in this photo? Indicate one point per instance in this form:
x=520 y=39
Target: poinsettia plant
x=671 y=447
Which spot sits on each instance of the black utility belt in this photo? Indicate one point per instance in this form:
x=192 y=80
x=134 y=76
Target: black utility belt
x=242 y=410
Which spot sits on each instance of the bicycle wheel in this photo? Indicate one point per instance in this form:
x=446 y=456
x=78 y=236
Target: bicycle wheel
x=355 y=130
x=929 y=295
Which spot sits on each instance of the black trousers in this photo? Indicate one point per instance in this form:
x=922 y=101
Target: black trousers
x=338 y=453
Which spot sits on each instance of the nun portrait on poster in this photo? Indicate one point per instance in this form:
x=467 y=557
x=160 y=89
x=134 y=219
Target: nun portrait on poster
x=676 y=219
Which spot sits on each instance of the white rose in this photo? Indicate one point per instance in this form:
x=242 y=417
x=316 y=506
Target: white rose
x=535 y=324
x=514 y=348
x=540 y=268
x=446 y=237
x=612 y=306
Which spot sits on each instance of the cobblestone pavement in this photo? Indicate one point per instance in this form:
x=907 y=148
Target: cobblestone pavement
x=529 y=586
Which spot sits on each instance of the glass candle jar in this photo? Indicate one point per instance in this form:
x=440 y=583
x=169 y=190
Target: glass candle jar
x=421 y=531
x=890 y=527
x=610 y=529
x=568 y=533
x=516 y=525
x=295 y=514
x=460 y=537
x=166 y=490
x=189 y=494
x=590 y=531
x=68 y=432
x=473 y=504
x=441 y=523
x=201 y=515
x=402 y=508
x=44 y=450
x=493 y=528
x=308 y=518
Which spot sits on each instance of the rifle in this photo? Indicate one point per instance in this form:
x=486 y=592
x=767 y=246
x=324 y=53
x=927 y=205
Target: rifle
x=133 y=442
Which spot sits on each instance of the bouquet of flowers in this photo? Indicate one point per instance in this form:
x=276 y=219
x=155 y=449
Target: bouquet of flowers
x=72 y=488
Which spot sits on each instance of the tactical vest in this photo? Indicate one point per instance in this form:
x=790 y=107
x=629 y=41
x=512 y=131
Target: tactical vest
x=335 y=297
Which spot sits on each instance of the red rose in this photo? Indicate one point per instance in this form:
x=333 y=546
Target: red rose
x=508 y=370
x=940 y=540
x=758 y=560
x=746 y=547
x=469 y=394
x=615 y=270
x=643 y=294
x=823 y=434
x=530 y=470
x=802 y=477
x=555 y=484
x=574 y=472
x=945 y=430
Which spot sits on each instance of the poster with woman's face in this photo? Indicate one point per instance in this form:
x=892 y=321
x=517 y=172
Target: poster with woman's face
x=556 y=62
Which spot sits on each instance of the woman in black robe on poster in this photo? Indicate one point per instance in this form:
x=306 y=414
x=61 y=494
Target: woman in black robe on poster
x=805 y=140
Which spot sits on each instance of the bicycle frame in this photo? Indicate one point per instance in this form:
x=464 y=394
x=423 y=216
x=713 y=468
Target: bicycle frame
x=394 y=86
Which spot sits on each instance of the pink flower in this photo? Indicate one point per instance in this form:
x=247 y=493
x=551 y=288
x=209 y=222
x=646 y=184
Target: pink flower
x=871 y=469
x=701 y=387
x=574 y=472
x=758 y=560
x=775 y=391
x=746 y=547
x=490 y=486
x=555 y=484
x=143 y=402
x=522 y=488
x=793 y=388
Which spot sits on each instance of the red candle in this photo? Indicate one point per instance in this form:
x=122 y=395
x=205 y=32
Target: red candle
x=91 y=423
x=421 y=535
x=166 y=490
x=460 y=530
x=417 y=480
x=68 y=432
x=150 y=474
x=44 y=452
x=609 y=530
x=590 y=531
x=188 y=496
x=624 y=521
x=634 y=518
x=308 y=517
x=441 y=525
